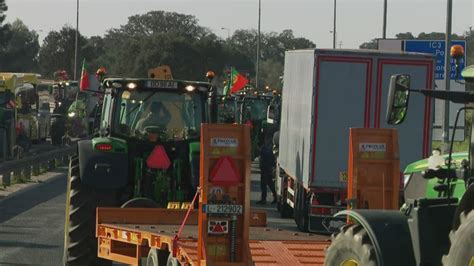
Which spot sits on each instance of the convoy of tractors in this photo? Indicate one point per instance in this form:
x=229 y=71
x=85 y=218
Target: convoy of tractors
x=160 y=157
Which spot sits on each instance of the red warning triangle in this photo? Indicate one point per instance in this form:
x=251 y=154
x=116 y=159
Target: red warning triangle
x=158 y=158
x=218 y=228
x=225 y=172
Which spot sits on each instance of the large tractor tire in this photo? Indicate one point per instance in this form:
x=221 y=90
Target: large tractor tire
x=462 y=243
x=80 y=243
x=351 y=247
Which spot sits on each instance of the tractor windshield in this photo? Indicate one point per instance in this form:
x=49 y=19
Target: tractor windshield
x=254 y=109
x=159 y=115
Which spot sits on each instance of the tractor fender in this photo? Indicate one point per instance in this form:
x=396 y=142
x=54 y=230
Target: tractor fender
x=102 y=169
x=388 y=230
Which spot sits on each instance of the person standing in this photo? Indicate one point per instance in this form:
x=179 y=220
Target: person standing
x=267 y=162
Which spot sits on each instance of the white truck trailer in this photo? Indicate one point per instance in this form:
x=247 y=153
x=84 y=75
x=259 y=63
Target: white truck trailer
x=326 y=92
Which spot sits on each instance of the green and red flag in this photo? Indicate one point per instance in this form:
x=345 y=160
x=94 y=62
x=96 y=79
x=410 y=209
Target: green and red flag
x=85 y=84
x=237 y=82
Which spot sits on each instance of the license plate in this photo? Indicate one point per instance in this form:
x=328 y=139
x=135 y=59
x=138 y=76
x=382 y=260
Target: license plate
x=223 y=209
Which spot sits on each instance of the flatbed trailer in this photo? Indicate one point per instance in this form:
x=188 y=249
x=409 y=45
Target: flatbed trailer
x=222 y=231
x=127 y=235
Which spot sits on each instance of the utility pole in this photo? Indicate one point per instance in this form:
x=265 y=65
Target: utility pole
x=447 y=74
x=384 y=35
x=258 y=45
x=334 y=27
x=77 y=40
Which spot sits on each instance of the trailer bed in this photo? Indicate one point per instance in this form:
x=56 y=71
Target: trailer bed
x=125 y=242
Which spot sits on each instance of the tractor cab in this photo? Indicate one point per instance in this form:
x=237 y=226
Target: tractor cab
x=150 y=130
x=253 y=112
x=227 y=109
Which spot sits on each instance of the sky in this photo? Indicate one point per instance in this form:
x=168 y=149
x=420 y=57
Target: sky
x=358 y=21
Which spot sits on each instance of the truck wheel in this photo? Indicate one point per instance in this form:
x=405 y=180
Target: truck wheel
x=301 y=210
x=80 y=244
x=351 y=247
x=462 y=243
x=285 y=209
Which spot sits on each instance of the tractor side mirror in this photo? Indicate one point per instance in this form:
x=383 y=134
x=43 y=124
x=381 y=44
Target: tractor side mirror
x=398 y=96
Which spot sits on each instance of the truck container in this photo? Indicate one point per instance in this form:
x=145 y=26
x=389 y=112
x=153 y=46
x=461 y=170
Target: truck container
x=326 y=92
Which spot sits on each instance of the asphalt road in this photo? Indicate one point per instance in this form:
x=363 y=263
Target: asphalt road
x=32 y=222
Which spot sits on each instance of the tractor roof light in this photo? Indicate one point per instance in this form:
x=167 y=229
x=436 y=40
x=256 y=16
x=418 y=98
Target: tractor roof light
x=457 y=51
x=210 y=75
x=190 y=88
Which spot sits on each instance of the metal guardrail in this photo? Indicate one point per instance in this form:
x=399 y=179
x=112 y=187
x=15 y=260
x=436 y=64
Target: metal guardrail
x=22 y=170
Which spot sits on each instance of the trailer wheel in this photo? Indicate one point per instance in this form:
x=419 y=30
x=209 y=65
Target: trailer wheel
x=172 y=261
x=462 y=243
x=157 y=257
x=80 y=244
x=351 y=247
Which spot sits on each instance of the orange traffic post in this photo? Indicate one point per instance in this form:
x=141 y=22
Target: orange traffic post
x=224 y=204
x=374 y=169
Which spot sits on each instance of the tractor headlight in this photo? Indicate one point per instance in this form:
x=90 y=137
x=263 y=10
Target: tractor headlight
x=190 y=88
x=72 y=114
x=131 y=86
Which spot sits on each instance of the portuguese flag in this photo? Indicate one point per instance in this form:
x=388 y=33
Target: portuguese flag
x=236 y=82
x=85 y=84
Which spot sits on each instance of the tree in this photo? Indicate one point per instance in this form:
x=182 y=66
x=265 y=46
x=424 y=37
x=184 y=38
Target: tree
x=58 y=51
x=369 y=45
x=21 y=50
x=4 y=29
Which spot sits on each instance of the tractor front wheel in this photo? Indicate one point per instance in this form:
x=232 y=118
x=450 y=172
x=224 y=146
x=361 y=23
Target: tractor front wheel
x=80 y=244
x=462 y=242
x=351 y=247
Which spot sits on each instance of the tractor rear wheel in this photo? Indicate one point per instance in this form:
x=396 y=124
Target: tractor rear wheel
x=80 y=244
x=462 y=242
x=351 y=247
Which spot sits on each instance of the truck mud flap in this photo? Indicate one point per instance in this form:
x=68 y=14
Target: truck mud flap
x=325 y=224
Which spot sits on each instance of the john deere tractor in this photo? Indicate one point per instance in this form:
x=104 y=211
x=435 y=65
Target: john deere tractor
x=145 y=155
x=434 y=229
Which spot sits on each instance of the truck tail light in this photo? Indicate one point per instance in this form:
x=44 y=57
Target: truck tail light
x=103 y=147
x=316 y=208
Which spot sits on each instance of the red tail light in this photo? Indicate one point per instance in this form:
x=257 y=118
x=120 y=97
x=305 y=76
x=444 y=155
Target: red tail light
x=319 y=210
x=103 y=147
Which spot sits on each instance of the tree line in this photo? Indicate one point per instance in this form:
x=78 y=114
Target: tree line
x=158 y=38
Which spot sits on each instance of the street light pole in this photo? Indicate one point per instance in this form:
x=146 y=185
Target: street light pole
x=258 y=45
x=228 y=32
x=334 y=27
x=447 y=74
x=384 y=35
x=77 y=39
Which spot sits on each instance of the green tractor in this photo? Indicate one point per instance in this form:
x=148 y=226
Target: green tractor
x=146 y=155
x=434 y=229
x=253 y=112
x=416 y=186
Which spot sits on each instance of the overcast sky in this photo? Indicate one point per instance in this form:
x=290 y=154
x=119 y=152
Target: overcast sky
x=357 y=20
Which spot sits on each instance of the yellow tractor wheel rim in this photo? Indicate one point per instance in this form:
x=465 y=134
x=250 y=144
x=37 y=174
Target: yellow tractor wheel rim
x=471 y=263
x=350 y=262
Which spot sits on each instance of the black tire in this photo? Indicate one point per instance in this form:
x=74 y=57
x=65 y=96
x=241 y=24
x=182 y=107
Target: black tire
x=157 y=257
x=80 y=243
x=462 y=243
x=301 y=210
x=140 y=203
x=352 y=244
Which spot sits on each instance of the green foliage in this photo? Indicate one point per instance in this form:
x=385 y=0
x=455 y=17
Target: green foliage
x=57 y=51
x=21 y=49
